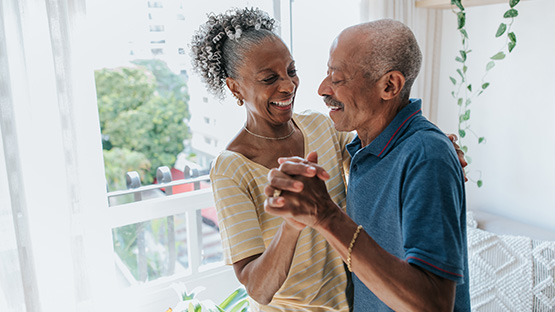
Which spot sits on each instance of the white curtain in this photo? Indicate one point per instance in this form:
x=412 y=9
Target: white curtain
x=51 y=171
x=426 y=24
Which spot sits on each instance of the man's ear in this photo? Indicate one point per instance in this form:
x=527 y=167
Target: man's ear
x=394 y=81
x=233 y=86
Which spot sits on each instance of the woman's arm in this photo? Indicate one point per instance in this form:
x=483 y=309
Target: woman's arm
x=264 y=274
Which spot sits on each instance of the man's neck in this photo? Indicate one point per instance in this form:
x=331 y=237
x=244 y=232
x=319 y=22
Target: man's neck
x=378 y=124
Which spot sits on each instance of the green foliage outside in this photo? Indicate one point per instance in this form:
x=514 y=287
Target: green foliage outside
x=464 y=91
x=143 y=108
x=142 y=111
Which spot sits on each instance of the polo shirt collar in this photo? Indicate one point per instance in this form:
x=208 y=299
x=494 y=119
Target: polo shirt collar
x=385 y=141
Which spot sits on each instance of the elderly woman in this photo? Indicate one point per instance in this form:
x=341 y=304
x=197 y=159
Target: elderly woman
x=282 y=267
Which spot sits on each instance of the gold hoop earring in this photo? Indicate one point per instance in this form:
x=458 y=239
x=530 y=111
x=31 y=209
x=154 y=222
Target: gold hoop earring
x=239 y=102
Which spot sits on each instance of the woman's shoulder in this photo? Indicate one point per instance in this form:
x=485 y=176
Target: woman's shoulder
x=227 y=161
x=314 y=118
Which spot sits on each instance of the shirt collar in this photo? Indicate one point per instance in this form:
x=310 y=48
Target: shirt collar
x=385 y=141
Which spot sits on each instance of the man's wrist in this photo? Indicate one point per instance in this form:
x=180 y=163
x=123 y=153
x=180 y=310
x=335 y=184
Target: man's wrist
x=334 y=216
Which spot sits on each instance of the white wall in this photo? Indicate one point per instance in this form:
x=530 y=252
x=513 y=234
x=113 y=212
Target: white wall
x=515 y=114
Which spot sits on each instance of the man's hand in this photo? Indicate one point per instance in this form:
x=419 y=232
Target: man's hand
x=304 y=199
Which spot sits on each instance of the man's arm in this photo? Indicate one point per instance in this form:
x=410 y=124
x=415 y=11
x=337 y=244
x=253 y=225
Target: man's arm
x=397 y=283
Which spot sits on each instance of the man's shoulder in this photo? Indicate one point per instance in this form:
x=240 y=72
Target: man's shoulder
x=427 y=137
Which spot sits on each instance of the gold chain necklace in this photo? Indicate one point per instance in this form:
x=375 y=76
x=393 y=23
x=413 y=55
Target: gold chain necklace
x=269 y=138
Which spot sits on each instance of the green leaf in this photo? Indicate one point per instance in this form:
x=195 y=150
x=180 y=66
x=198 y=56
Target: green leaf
x=453 y=80
x=464 y=148
x=481 y=140
x=239 y=306
x=469 y=87
x=498 y=56
x=501 y=30
x=460 y=101
x=461 y=19
x=233 y=298
x=468 y=101
x=463 y=54
x=513 y=3
x=461 y=74
x=485 y=85
x=458 y=4
x=512 y=36
x=458 y=59
x=511 y=13
x=490 y=65
x=466 y=115
x=464 y=33
x=479 y=183
x=465 y=68
x=453 y=94
x=511 y=46
x=462 y=133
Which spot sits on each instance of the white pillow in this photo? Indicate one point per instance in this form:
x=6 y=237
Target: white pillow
x=510 y=273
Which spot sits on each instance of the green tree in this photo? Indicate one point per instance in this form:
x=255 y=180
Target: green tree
x=143 y=109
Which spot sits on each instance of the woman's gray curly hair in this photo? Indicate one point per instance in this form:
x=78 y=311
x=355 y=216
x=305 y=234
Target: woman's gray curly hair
x=219 y=46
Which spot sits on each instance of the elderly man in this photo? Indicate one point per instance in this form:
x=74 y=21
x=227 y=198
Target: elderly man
x=404 y=236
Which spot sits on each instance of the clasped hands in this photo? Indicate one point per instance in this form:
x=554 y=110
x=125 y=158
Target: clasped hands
x=304 y=199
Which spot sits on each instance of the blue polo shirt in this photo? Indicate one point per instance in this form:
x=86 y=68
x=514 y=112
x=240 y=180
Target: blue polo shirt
x=406 y=188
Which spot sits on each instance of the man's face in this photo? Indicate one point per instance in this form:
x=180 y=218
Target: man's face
x=351 y=98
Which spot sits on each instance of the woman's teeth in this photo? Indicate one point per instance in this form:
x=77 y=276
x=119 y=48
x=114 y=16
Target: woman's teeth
x=283 y=104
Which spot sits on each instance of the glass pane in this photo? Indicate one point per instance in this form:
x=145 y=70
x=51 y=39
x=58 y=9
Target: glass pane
x=152 y=108
x=211 y=241
x=149 y=250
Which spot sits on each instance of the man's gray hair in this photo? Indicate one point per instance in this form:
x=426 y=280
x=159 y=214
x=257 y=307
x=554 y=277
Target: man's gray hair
x=391 y=46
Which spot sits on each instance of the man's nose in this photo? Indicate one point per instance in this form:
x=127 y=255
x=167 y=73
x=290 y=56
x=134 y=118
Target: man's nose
x=324 y=88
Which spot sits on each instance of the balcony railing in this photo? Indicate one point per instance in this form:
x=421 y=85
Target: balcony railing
x=176 y=228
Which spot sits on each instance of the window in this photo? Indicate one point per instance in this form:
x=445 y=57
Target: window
x=166 y=232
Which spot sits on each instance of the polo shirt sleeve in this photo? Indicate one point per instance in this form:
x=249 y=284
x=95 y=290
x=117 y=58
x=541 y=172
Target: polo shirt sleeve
x=434 y=232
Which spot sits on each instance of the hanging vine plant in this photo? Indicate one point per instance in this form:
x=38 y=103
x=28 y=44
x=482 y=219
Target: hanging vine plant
x=464 y=92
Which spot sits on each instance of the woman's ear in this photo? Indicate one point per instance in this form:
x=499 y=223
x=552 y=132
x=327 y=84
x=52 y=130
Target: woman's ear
x=233 y=86
x=394 y=82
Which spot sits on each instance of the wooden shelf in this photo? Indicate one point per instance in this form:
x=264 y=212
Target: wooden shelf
x=446 y=4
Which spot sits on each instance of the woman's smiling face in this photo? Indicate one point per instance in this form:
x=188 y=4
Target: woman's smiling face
x=268 y=82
